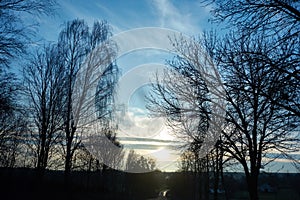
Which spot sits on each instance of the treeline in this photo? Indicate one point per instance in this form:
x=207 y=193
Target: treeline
x=233 y=95
x=46 y=109
x=26 y=183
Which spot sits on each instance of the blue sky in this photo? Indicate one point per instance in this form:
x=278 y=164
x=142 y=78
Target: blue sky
x=185 y=16
x=189 y=17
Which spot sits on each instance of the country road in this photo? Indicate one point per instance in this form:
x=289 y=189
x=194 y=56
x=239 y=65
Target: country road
x=163 y=195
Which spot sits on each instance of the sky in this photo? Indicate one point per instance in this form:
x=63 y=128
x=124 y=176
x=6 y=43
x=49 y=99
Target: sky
x=189 y=17
x=147 y=136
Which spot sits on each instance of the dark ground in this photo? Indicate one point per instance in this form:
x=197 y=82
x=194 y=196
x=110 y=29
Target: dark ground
x=23 y=184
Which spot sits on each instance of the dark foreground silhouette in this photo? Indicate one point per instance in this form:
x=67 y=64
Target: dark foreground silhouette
x=23 y=184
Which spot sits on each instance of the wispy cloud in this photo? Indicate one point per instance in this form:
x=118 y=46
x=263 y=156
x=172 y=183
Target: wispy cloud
x=181 y=20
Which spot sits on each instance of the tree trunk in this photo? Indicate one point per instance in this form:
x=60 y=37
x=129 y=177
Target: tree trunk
x=68 y=162
x=41 y=165
x=68 y=158
x=216 y=175
x=252 y=182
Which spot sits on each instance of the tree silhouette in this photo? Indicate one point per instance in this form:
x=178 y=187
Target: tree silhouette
x=86 y=57
x=139 y=164
x=15 y=36
x=44 y=90
x=255 y=125
x=13 y=124
x=277 y=21
x=14 y=33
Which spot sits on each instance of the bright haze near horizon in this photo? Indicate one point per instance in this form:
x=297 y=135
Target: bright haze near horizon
x=147 y=136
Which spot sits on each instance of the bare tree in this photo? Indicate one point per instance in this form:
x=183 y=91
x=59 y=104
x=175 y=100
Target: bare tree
x=208 y=170
x=96 y=106
x=184 y=103
x=8 y=92
x=43 y=82
x=15 y=36
x=255 y=125
x=274 y=28
x=277 y=21
x=86 y=57
x=14 y=33
x=73 y=45
x=274 y=16
x=182 y=96
x=101 y=140
x=12 y=130
x=103 y=144
x=12 y=119
x=139 y=164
